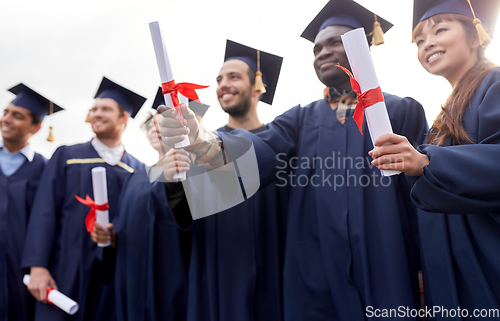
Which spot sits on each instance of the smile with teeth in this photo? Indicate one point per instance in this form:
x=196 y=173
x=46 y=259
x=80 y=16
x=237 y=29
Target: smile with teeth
x=227 y=95
x=434 y=56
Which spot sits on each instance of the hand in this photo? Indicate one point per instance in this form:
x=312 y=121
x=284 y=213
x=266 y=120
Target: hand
x=40 y=279
x=395 y=152
x=100 y=235
x=154 y=136
x=172 y=131
x=175 y=161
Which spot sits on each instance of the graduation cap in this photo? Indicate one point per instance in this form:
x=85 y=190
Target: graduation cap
x=34 y=102
x=484 y=12
x=199 y=109
x=351 y=14
x=129 y=100
x=259 y=61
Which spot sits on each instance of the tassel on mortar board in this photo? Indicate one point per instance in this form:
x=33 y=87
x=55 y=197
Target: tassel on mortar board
x=484 y=38
x=259 y=84
x=51 y=134
x=377 y=33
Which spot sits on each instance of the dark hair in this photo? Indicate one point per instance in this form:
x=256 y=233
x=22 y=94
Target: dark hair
x=35 y=120
x=251 y=76
x=449 y=122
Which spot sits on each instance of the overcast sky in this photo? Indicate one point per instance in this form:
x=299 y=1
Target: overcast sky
x=63 y=48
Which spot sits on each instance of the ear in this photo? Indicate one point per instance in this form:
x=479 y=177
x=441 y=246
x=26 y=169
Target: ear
x=255 y=93
x=126 y=116
x=35 y=128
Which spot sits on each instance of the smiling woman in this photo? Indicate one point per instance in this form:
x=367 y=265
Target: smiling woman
x=452 y=183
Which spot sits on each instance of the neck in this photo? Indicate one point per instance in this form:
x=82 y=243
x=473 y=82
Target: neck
x=111 y=142
x=14 y=146
x=341 y=87
x=454 y=79
x=249 y=122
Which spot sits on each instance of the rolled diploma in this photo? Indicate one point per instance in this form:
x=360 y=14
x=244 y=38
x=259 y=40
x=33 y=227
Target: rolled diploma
x=166 y=75
x=58 y=299
x=100 y=197
x=358 y=53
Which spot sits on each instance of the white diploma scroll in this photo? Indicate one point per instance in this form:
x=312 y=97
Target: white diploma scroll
x=166 y=75
x=100 y=197
x=358 y=53
x=58 y=299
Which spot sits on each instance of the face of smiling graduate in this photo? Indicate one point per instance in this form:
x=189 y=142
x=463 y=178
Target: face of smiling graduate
x=329 y=51
x=445 y=48
x=235 y=92
x=107 y=118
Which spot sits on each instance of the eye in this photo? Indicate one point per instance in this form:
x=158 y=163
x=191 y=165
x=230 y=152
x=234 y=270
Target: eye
x=419 y=42
x=440 y=30
x=234 y=77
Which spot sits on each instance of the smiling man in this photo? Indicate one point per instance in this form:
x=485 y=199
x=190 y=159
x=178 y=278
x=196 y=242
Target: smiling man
x=20 y=171
x=350 y=243
x=58 y=250
x=237 y=254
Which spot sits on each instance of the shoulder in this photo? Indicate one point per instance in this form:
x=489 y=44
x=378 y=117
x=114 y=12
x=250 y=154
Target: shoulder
x=393 y=101
x=491 y=79
x=300 y=111
x=39 y=160
x=133 y=162
x=397 y=105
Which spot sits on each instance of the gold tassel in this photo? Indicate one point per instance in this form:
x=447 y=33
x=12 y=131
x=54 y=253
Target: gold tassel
x=377 y=33
x=51 y=134
x=484 y=38
x=88 y=116
x=259 y=84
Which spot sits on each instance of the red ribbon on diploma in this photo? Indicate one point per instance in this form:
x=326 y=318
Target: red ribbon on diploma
x=185 y=88
x=48 y=291
x=365 y=100
x=90 y=218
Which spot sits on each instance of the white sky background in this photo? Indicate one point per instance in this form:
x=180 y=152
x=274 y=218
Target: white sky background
x=63 y=48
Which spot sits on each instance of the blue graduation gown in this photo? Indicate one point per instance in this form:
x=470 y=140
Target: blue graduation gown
x=151 y=257
x=349 y=246
x=458 y=195
x=57 y=238
x=237 y=260
x=16 y=199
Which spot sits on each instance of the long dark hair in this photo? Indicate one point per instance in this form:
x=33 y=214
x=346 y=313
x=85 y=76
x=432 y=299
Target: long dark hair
x=449 y=121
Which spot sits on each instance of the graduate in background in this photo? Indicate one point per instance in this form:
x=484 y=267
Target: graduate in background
x=454 y=177
x=236 y=266
x=20 y=171
x=152 y=249
x=350 y=242
x=58 y=248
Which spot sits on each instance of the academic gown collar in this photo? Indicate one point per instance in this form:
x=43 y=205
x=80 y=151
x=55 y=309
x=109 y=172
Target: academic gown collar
x=112 y=156
x=27 y=150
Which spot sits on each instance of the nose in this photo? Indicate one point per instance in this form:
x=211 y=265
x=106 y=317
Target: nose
x=323 y=53
x=429 y=44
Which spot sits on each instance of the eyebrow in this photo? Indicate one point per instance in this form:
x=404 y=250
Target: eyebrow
x=434 y=25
